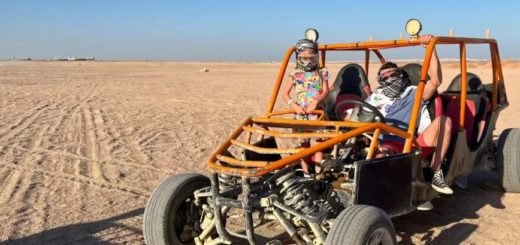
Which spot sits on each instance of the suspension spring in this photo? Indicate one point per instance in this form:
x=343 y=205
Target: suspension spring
x=226 y=182
x=295 y=194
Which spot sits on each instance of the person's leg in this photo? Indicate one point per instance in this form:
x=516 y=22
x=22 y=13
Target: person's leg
x=304 y=143
x=438 y=135
x=318 y=158
x=305 y=163
x=384 y=151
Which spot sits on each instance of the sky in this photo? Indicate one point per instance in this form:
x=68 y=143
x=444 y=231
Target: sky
x=238 y=30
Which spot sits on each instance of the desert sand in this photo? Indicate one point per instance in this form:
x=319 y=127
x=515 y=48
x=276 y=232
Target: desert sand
x=82 y=146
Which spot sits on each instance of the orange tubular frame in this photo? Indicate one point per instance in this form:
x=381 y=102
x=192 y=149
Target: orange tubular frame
x=258 y=168
x=220 y=160
x=463 y=86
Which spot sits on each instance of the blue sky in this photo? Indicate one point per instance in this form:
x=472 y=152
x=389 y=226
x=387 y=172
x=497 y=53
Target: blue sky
x=236 y=30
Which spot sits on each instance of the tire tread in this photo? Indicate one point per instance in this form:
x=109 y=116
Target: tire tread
x=354 y=223
x=508 y=160
x=154 y=231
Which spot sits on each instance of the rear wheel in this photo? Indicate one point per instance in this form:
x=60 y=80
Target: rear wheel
x=360 y=225
x=171 y=216
x=508 y=159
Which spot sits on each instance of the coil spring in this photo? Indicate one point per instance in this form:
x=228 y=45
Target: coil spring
x=295 y=194
x=226 y=182
x=332 y=203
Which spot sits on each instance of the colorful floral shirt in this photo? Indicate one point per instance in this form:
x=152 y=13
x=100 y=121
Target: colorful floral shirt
x=308 y=85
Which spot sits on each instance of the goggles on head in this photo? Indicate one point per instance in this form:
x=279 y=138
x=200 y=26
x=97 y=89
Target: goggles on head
x=387 y=73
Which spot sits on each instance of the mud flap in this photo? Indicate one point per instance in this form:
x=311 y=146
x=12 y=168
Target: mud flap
x=385 y=183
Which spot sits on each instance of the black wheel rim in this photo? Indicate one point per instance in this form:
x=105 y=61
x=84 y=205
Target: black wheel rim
x=184 y=221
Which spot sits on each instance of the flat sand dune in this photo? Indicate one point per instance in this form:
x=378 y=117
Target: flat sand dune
x=82 y=146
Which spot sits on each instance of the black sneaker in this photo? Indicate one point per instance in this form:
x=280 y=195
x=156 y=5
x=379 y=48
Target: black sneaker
x=438 y=183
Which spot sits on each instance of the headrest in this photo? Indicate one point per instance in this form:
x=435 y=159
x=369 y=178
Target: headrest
x=474 y=84
x=351 y=79
x=412 y=71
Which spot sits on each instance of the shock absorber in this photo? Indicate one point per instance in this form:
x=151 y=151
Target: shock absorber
x=226 y=182
x=295 y=194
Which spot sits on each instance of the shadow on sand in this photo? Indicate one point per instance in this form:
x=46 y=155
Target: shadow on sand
x=82 y=233
x=483 y=190
x=456 y=209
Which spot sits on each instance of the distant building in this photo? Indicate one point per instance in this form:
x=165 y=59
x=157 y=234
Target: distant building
x=78 y=59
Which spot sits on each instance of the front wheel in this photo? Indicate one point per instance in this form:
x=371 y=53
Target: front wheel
x=171 y=216
x=362 y=225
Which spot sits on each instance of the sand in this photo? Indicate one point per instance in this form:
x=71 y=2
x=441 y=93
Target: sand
x=82 y=146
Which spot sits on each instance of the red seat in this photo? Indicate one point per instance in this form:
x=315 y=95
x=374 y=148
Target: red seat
x=453 y=112
x=477 y=111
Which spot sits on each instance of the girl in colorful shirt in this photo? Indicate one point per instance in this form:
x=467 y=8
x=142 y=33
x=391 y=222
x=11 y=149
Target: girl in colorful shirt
x=311 y=87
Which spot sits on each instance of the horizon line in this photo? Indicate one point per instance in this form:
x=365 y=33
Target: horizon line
x=237 y=61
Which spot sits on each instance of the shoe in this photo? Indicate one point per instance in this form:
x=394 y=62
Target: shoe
x=309 y=175
x=425 y=206
x=462 y=182
x=438 y=183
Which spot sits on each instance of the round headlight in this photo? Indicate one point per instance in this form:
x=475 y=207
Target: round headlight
x=413 y=27
x=312 y=34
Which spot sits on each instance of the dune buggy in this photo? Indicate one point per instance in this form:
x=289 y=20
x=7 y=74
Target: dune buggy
x=256 y=176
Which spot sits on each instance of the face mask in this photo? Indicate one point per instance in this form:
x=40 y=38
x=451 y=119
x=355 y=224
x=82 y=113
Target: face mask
x=393 y=86
x=390 y=81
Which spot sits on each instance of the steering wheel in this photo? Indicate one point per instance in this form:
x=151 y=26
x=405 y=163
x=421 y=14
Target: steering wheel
x=373 y=115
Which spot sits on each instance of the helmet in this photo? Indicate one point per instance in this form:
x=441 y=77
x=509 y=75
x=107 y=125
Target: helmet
x=304 y=44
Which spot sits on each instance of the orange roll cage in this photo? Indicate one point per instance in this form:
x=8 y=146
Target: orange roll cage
x=339 y=131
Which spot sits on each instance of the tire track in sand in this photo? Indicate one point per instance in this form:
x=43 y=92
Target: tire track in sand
x=56 y=137
x=19 y=215
x=129 y=139
x=34 y=144
x=17 y=129
x=82 y=180
x=20 y=186
x=28 y=217
x=91 y=145
x=32 y=190
x=76 y=130
x=25 y=120
x=72 y=131
x=9 y=184
x=32 y=210
x=104 y=135
x=77 y=156
x=30 y=214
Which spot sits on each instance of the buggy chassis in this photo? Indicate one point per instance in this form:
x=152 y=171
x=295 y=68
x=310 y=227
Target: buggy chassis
x=253 y=175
